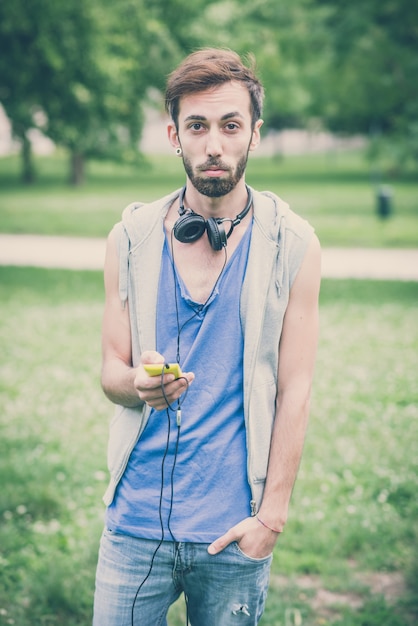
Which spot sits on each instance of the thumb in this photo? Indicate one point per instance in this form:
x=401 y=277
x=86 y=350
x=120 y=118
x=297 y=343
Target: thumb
x=152 y=356
x=220 y=544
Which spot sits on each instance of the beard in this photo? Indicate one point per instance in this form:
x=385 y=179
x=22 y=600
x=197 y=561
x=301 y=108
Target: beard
x=215 y=187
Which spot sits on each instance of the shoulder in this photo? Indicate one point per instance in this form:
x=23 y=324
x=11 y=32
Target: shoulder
x=147 y=210
x=273 y=214
x=298 y=244
x=138 y=218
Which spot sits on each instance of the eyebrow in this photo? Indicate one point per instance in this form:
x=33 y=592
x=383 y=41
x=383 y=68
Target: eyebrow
x=202 y=118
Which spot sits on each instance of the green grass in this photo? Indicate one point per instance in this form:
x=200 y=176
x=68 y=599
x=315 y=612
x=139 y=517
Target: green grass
x=354 y=509
x=334 y=191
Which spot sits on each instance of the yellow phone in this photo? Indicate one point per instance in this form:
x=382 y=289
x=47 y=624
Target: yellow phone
x=156 y=369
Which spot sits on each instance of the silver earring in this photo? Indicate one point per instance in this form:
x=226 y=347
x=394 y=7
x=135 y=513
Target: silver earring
x=179 y=151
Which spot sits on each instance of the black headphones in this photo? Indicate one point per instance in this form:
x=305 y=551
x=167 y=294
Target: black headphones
x=190 y=226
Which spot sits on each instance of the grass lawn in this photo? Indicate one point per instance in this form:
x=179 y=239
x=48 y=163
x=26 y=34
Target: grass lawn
x=353 y=524
x=334 y=191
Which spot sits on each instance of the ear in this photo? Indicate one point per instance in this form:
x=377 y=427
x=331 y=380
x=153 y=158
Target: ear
x=255 y=139
x=173 y=136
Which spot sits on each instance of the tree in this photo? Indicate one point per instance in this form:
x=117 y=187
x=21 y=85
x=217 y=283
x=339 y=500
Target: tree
x=84 y=66
x=93 y=102
x=19 y=75
x=370 y=83
x=48 y=65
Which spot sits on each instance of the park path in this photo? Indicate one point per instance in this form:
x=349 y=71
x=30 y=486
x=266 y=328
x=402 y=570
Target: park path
x=88 y=253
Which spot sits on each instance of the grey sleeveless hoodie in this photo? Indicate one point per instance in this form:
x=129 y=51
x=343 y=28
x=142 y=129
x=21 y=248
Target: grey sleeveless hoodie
x=278 y=245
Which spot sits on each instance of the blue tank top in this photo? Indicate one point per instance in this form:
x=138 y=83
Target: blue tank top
x=198 y=488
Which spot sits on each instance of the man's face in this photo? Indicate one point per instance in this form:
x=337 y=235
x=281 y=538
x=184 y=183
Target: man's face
x=215 y=134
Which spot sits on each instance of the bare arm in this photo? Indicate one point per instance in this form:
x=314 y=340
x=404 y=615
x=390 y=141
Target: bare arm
x=296 y=366
x=122 y=383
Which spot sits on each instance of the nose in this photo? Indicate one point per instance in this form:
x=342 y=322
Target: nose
x=214 y=143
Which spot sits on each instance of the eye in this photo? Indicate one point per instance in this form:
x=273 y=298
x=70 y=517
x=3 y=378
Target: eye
x=196 y=127
x=231 y=127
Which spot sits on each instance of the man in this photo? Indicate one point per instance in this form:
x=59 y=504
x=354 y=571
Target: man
x=224 y=281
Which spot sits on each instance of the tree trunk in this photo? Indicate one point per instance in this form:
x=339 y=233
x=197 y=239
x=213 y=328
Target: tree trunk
x=77 y=168
x=28 y=170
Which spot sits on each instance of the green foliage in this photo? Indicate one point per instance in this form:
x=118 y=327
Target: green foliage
x=178 y=22
x=369 y=86
x=88 y=111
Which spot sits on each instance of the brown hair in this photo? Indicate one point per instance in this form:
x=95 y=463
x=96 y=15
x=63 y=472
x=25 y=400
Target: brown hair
x=211 y=67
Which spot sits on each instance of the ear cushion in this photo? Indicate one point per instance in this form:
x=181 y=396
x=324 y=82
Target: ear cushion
x=189 y=227
x=216 y=234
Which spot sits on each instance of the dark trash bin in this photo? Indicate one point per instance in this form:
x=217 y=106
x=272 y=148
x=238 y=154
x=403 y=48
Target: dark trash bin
x=384 y=202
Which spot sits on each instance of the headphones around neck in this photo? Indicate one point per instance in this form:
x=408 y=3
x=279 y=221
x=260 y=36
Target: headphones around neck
x=190 y=226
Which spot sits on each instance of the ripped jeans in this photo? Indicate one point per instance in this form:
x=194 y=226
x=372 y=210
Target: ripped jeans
x=226 y=589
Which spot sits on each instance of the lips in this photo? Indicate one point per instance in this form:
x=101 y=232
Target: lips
x=214 y=169
x=214 y=172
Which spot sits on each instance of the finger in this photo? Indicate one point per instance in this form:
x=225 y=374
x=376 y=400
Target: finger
x=155 y=397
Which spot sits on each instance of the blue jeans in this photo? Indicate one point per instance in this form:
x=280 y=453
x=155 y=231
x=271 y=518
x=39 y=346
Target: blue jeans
x=226 y=589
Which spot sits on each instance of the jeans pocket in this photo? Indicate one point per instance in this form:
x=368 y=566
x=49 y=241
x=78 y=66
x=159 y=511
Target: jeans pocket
x=264 y=559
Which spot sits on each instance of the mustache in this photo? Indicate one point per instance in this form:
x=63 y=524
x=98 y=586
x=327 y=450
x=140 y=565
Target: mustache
x=213 y=163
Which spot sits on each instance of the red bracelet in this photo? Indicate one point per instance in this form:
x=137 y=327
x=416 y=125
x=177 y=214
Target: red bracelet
x=269 y=527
